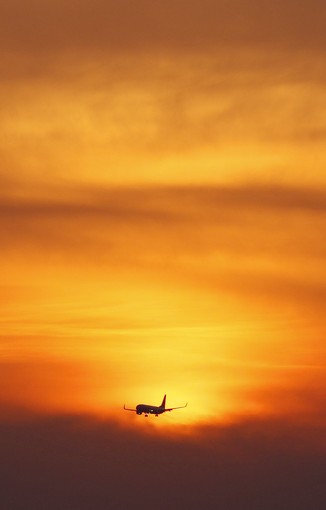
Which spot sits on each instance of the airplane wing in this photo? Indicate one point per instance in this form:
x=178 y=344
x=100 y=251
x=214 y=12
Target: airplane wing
x=180 y=407
x=128 y=409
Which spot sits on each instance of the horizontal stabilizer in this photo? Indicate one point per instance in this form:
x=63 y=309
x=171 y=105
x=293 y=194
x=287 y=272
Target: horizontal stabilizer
x=180 y=407
x=128 y=409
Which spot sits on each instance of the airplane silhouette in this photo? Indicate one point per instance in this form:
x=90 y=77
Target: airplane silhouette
x=148 y=409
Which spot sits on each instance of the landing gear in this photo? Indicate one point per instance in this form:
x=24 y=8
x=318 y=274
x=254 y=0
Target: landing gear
x=146 y=415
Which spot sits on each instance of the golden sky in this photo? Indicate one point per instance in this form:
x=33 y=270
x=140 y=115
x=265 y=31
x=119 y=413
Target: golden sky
x=163 y=207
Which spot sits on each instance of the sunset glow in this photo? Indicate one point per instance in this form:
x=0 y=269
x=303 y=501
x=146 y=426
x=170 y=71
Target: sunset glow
x=162 y=211
x=127 y=294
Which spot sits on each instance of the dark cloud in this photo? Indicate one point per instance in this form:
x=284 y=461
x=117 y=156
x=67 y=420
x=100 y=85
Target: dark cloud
x=266 y=209
x=168 y=203
x=70 y=462
x=164 y=25
x=245 y=219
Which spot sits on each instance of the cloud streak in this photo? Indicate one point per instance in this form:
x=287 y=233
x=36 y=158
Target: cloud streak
x=251 y=237
x=272 y=219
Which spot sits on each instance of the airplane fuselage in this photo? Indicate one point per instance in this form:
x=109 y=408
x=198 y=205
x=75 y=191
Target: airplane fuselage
x=147 y=409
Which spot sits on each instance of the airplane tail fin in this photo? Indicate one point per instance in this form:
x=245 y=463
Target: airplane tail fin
x=163 y=402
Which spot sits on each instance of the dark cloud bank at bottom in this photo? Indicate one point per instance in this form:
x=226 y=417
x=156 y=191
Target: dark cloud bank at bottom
x=74 y=463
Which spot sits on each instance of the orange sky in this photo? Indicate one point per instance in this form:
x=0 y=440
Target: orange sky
x=163 y=207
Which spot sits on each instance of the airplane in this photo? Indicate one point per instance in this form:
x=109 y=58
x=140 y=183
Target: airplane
x=148 y=409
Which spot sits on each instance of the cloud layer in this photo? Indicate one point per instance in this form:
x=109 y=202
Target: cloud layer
x=173 y=25
x=72 y=462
